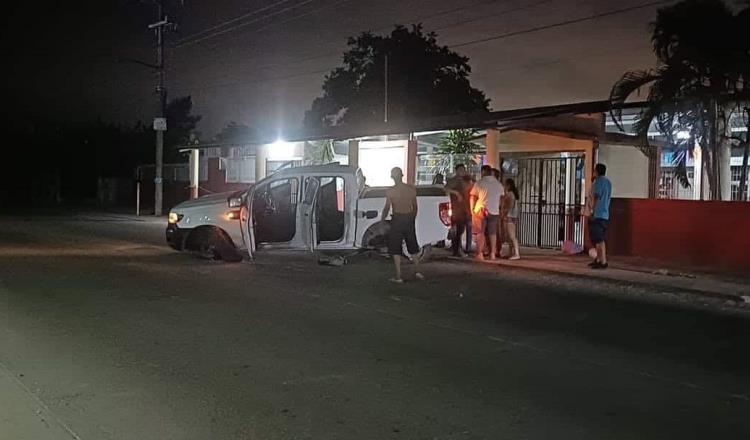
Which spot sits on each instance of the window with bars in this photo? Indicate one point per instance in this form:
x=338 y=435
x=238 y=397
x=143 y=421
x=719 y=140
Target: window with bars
x=736 y=176
x=203 y=170
x=670 y=186
x=240 y=170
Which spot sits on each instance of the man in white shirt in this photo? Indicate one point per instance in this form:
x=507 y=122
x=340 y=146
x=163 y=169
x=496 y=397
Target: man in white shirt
x=485 y=209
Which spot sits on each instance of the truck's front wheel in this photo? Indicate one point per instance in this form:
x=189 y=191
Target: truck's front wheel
x=212 y=244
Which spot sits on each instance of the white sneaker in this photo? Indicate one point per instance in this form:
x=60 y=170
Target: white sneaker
x=515 y=257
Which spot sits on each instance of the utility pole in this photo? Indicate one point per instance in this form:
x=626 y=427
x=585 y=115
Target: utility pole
x=160 y=122
x=385 y=94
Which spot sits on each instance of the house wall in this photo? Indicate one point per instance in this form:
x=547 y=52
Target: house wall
x=172 y=194
x=521 y=141
x=627 y=169
x=178 y=191
x=217 y=180
x=712 y=234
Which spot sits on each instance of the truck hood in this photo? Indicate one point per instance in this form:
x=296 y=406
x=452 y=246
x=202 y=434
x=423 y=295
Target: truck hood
x=212 y=199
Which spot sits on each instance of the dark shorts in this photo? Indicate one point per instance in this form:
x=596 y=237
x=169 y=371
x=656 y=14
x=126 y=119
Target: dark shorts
x=598 y=230
x=402 y=229
x=485 y=224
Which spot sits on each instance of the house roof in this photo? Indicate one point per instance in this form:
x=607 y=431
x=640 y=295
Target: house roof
x=482 y=120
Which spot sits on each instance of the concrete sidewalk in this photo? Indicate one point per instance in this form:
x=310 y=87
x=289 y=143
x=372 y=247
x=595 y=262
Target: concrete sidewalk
x=632 y=270
x=25 y=417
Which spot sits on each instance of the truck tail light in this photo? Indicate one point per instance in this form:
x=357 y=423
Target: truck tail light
x=444 y=212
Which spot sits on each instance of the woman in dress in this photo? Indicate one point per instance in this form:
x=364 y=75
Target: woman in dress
x=510 y=217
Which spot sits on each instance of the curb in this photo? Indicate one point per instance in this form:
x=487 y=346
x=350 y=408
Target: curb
x=691 y=291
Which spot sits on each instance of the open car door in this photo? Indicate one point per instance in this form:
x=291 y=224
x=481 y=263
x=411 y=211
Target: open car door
x=246 y=223
x=308 y=216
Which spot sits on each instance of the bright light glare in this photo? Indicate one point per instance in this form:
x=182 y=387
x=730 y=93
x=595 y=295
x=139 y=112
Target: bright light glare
x=376 y=164
x=281 y=150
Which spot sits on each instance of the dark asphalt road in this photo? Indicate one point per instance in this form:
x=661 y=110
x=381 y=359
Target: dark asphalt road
x=121 y=338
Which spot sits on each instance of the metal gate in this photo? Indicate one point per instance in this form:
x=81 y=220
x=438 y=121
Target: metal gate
x=550 y=190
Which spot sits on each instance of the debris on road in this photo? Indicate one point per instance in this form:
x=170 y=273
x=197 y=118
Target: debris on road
x=335 y=260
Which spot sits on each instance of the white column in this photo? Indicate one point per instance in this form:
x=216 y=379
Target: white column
x=411 y=162
x=261 y=157
x=725 y=170
x=493 y=147
x=354 y=153
x=697 y=172
x=194 y=173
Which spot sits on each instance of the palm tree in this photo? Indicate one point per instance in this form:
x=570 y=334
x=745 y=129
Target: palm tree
x=743 y=22
x=319 y=152
x=744 y=143
x=459 y=147
x=702 y=75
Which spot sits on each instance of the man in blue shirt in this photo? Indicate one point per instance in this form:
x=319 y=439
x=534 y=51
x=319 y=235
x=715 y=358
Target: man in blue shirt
x=602 y=193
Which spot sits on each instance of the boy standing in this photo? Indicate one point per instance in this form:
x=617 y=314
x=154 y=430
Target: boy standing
x=602 y=193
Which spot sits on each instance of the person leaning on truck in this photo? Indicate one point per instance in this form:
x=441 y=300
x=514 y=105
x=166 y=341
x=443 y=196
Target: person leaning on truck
x=402 y=199
x=458 y=187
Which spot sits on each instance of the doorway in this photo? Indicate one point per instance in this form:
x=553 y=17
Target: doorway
x=551 y=198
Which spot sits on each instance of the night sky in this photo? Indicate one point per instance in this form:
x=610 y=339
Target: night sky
x=265 y=69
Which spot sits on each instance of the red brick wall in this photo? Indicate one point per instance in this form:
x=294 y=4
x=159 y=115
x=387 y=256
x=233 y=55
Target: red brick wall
x=712 y=234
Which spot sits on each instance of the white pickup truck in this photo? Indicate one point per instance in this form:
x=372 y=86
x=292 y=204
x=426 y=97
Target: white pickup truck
x=313 y=208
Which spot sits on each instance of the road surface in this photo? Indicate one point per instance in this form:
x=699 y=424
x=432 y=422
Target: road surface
x=105 y=333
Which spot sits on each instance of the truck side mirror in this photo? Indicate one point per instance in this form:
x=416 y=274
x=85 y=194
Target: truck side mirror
x=370 y=214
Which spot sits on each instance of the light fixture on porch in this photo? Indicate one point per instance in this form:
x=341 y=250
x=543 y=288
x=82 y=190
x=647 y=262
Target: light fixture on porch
x=281 y=150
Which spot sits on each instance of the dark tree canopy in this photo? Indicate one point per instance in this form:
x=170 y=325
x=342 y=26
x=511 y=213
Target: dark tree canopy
x=424 y=80
x=180 y=124
x=235 y=132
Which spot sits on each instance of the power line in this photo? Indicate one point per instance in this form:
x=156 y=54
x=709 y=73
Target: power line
x=428 y=17
x=304 y=14
x=297 y=17
x=464 y=44
x=528 y=66
x=243 y=24
x=559 y=24
x=234 y=20
x=258 y=81
x=292 y=19
x=438 y=14
x=522 y=67
x=498 y=14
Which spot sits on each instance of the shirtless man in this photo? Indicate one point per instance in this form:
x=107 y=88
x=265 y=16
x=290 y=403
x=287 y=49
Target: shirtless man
x=402 y=198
